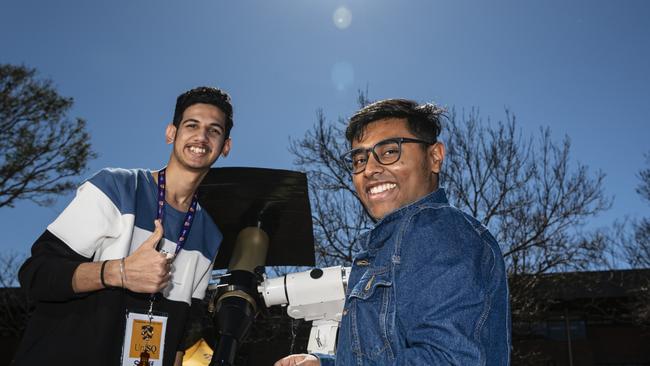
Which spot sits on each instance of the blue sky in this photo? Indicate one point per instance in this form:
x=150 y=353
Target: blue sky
x=579 y=67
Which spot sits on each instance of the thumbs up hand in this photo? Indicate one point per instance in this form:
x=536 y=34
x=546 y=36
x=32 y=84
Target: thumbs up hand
x=147 y=270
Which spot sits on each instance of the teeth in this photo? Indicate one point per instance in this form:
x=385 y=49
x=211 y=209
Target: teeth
x=382 y=188
x=197 y=150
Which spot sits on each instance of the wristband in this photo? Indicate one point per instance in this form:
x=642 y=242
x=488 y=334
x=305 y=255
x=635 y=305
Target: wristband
x=101 y=274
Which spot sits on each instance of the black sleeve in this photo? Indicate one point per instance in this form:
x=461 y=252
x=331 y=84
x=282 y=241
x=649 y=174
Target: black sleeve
x=47 y=274
x=196 y=325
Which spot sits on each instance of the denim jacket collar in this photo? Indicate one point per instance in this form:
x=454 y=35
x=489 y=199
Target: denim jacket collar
x=437 y=197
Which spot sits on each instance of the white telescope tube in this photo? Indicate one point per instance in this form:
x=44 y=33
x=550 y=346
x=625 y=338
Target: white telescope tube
x=318 y=295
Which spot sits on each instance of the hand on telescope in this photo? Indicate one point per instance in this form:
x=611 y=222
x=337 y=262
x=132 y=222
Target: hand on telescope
x=147 y=270
x=298 y=360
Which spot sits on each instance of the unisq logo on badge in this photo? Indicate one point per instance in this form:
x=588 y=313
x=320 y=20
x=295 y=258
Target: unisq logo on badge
x=144 y=340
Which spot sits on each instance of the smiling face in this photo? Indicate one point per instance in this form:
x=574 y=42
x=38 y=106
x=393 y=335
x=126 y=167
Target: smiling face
x=199 y=139
x=385 y=188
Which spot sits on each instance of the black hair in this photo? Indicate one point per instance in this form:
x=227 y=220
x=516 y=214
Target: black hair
x=423 y=120
x=207 y=95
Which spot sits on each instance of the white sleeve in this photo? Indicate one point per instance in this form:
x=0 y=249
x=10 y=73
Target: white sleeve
x=87 y=221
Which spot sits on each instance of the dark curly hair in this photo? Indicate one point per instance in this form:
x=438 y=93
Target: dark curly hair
x=424 y=120
x=207 y=95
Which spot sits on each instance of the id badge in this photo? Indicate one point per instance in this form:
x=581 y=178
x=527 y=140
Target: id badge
x=144 y=339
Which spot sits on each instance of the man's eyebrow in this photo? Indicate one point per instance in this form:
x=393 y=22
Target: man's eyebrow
x=213 y=124
x=217 y=124
x=190 y=120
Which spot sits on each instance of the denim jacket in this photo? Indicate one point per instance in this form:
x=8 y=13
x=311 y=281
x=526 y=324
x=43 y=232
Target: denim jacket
x=428 y=288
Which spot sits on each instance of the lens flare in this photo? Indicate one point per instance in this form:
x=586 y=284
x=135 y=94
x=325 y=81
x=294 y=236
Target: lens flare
x=342 y=75
x=342 y=17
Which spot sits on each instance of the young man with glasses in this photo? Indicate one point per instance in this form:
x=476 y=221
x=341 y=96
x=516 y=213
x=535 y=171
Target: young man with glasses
x=429 y=285
x=115 y=275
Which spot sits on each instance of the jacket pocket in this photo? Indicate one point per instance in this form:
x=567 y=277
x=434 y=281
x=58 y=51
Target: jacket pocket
x=371 y=307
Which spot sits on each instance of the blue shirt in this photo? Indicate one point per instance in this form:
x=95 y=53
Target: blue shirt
x=428 y=288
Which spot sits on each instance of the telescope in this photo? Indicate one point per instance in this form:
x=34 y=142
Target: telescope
x=265 y=218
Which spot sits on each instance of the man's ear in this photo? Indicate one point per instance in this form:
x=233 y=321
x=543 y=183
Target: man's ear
x=436 y=154
x=170 y=133
x=225 y=150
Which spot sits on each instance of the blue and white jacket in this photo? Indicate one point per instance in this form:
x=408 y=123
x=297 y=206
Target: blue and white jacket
x=112 y=213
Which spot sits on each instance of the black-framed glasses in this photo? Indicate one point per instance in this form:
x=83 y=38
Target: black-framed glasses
x=386 y=152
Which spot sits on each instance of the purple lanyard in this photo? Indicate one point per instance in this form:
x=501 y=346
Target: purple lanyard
x=189 y=216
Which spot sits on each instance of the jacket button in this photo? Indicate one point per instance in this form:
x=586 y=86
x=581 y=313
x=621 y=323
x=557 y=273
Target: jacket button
x=369 y=284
